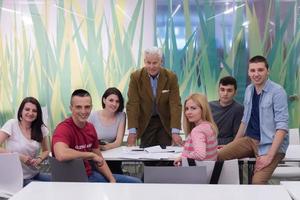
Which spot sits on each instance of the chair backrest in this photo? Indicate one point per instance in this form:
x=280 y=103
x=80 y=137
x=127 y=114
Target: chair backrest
x=11 y=174
x=45 y=115
x=294 y=137
x=67 y=171
x=169 y=174
x=229 y=173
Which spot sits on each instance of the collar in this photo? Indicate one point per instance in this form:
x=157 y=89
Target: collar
x=267 y=86
x=156 y=77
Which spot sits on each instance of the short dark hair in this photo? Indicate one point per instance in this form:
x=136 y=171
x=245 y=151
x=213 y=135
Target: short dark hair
x=115 y=91
x=228 y=80
x=80 y=93
x=259 y=59
x=36 y=125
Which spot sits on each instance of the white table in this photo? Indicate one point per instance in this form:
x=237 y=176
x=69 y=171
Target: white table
x=119 y=191
x=125 y=153
x=293 y=187
x=122 y=153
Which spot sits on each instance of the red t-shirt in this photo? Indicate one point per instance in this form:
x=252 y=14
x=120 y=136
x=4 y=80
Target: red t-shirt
x=81 y=139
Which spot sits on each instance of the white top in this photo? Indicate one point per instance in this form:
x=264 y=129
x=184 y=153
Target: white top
x=105 y=132
x=18 y=143
x=128 y=191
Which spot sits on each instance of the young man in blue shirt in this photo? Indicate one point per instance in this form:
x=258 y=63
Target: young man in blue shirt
x=263 y=132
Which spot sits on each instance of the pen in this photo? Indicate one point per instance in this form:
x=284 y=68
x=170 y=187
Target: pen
x=137 y=150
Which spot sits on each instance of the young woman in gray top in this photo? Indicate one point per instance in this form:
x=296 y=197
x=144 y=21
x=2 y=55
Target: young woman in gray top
x=110 y=123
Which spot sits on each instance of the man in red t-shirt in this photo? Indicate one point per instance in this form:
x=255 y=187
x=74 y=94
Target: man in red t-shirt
x=76 y=138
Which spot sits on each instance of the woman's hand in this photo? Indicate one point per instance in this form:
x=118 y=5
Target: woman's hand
x=36 y=162
x=177 y=161
x=26 y=159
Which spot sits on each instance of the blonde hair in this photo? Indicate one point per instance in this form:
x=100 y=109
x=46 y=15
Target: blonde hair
x=201 y=101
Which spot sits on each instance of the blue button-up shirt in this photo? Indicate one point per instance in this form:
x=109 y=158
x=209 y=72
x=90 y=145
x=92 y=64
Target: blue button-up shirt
x=273 y=114
x=153 y=81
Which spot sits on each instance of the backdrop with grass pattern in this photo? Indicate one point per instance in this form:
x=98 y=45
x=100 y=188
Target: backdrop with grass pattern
x=49 y=48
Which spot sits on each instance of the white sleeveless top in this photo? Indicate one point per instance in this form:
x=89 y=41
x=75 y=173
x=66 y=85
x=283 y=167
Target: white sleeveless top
x=107 y=133
x=18 y=143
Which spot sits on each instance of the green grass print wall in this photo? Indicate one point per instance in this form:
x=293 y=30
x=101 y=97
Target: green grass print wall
x=64 y=49
x=48 y=49
x=198 y=63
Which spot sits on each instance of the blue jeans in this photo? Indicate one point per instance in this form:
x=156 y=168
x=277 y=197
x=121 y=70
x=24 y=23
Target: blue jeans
x=97 y=177
x=38 y=177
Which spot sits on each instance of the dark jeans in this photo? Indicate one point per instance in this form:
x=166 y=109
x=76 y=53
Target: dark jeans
x=97 y=177
x=115 y=166
x=38 y=177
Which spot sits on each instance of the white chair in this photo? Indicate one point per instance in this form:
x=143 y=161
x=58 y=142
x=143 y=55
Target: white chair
x=294 y=136
x=11 y=174
x=289 y=170
x=228 y=175
x=172 y=174
x=45 y=115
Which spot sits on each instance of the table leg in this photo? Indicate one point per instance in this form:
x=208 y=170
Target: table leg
x=250 y=170
x=241 y=166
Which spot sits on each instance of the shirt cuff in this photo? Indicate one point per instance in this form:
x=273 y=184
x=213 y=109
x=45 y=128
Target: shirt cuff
x=175 y=131
x=132 y=131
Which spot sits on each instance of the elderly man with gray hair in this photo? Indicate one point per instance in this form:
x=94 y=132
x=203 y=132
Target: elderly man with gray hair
x=154 y=106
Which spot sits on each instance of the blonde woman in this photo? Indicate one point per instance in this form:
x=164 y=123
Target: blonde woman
x=201 y=130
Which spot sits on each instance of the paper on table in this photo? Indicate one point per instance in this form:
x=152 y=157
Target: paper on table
x=158 y=149
x=156 y=156
x=145 y=155
x=137 y=149
x=133 y=154
x=175 y=149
